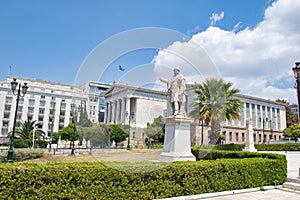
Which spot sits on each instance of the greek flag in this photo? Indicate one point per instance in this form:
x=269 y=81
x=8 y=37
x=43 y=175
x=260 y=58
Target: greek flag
x=121 y=68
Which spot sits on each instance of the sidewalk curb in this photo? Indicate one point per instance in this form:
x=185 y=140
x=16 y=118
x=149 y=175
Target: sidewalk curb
x=225 y=193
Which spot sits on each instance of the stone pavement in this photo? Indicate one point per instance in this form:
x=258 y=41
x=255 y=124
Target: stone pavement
x=271 y=192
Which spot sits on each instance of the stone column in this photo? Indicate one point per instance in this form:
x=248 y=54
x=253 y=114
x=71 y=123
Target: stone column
x=117 y=111
x=123 y=111
x=127 y=110
x=113 y=105
x=108 y=112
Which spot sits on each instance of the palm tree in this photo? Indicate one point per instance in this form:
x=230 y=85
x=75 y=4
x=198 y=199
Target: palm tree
x=215 y=103
x=27 y=129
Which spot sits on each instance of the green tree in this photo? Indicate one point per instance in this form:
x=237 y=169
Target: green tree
x=84 y=120
x=215 y=103
x=292 y=131
x=156 y=130
x=69 y=133
x=291 y=118
x=118 y=133
x=55 y=137
x=97 y=134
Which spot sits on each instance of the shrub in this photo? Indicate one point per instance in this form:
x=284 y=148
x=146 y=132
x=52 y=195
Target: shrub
x=97 y=181
x=23 y=154
x=278 y=147
x=232 y=147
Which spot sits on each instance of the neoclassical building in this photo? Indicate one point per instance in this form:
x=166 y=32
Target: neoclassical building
x=137 y=106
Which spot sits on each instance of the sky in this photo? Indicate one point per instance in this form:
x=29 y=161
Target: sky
x=252 y=43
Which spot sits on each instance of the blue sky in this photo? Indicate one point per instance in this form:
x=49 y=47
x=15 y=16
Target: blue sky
x=50 y=39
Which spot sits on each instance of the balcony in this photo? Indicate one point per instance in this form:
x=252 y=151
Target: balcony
x=6 y=119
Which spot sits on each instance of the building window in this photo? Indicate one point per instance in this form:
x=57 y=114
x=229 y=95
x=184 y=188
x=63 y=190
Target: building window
x=41 y=111
x=230 y=136
x=259 y=138
x=30 y=110
x=7 y=107
x=43 y=97
x=237 y=137
x=275 y=137
x=42 y=103
x=133 y=134
x=254 y=137
x=31 y=102
x=243 y=137
x=52 y=105
x=53 y=98
x=6 y=116
x=8 y=100
x=41 y=119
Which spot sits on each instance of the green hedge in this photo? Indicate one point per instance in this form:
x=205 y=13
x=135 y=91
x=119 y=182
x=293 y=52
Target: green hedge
x=206 y=154
x=97 y=181
x=259 y=147
x=278 y=147
x=23 y=154
x=19 y=143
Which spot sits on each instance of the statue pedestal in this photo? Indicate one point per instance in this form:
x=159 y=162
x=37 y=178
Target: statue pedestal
x=177 y=143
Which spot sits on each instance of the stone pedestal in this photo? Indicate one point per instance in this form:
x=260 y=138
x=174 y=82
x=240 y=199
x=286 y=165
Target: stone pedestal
x=249 y=146
x=177 y=143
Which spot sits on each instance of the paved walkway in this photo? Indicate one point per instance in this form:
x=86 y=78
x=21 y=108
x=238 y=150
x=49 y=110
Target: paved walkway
x=271 y=192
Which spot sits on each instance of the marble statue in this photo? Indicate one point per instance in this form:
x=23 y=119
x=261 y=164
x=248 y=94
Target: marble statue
x=176 y=88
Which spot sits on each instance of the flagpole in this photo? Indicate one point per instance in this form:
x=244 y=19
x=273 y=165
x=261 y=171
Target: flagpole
x=118 y=74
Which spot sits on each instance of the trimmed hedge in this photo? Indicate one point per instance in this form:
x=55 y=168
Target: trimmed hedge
x=20 y=143
x=23 y=154
x=97 y=181
x=278 y=147
x=259 y=147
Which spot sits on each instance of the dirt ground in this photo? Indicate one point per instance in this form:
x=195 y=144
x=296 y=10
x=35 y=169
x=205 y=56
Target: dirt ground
x=135 y=155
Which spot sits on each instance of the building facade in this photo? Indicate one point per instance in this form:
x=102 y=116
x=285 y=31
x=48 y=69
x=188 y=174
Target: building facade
x=268 y=120
x=96 y=100
x=50 y=104
x=268 y=117
x=134 y=107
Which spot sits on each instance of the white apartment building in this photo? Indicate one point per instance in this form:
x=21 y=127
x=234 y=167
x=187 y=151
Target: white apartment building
x=46 y=102
x=96 y=101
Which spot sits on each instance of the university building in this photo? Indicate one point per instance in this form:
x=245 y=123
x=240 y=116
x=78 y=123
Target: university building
x=137 y=107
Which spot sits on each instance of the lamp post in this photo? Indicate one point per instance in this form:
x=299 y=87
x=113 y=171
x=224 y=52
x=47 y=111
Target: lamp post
x=23 y=89
x=296 y=71
x=74 y=128
x=131 y=115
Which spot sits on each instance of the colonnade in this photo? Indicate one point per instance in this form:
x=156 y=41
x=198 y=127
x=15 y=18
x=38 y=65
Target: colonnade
x=117 y=111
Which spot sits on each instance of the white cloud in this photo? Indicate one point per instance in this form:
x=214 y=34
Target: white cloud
x=255 y=60
x=216 y=17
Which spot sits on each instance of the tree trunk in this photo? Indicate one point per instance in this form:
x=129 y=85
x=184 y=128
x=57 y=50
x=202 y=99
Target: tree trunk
x=214 y=137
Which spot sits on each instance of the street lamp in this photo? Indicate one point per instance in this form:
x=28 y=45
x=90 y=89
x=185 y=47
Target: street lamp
x=296 y=71
x=23 y=89
x=74 y=128
x=131 y=115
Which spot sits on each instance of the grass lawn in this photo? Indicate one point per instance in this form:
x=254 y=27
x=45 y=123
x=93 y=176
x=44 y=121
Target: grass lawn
x=135 y=155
